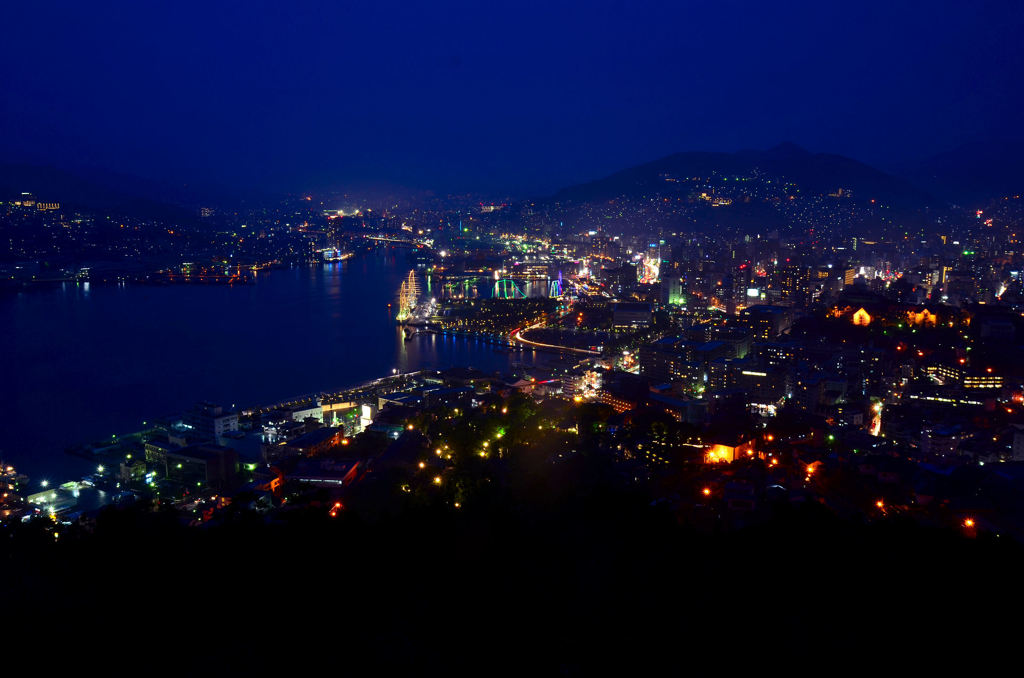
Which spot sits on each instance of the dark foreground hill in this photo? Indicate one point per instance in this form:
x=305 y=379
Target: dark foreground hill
x=577 y=584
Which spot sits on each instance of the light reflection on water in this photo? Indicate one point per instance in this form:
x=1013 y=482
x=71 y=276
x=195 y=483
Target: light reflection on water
x=83 y=363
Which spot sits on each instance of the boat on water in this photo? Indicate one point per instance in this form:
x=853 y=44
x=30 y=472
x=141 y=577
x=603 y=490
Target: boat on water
x=335 y=254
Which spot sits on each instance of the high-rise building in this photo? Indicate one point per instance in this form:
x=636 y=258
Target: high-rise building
x=795 y=282
x=211 y=421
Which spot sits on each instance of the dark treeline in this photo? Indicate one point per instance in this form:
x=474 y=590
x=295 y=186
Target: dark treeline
x=570 y=574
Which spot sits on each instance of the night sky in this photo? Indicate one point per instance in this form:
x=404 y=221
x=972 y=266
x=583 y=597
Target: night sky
x=517 y=97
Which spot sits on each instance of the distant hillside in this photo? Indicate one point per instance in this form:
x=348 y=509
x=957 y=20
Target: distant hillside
x=973 y=173
x=815 y=173
x=96 y=189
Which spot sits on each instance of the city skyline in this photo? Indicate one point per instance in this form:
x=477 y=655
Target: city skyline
x=535 y=338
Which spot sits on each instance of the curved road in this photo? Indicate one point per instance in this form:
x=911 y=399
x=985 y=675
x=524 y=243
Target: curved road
x=518 y=336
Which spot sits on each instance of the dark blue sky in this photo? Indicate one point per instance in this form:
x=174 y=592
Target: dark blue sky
x=523 y=96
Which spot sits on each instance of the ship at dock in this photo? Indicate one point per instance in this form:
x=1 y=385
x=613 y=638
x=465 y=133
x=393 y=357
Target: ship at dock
x=332 y=254
x=408 y=298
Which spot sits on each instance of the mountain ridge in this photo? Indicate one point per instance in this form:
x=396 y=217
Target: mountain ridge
x=811 y=172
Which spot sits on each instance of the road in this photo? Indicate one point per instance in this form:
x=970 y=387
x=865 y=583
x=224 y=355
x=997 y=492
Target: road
x=518 y=336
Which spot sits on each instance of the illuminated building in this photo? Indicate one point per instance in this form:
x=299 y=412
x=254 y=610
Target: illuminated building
x=953 y=399
x=728 y=450
x=683 y=409
x=861 y=317
x=208 y=464
x=941 y=443
x=623 y=391
x=794 y=282
x=315 y=443
x=672 y=291
x=52 y=501
x=767 y=322
x=953 y=375
x=670 y=359
x=157 y=451
x=344 y=414
x=816 y=393
x=766 y=386
x=629 y=315
x=532 y=270
x=618 y=403
x=304 y=411
x=210 y=421
x=773 y=354
x=922 y=317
